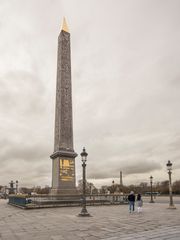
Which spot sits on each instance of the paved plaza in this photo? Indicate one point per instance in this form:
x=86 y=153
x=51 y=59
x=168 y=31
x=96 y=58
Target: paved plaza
x=107 y=222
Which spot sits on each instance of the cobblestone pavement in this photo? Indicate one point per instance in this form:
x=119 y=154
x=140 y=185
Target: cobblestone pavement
x=107 y=222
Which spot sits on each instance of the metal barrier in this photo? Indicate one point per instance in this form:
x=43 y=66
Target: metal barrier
x=42 y=201
x=17 y=200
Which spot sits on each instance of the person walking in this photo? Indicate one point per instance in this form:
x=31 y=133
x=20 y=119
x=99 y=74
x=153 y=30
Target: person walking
x=139 y=202
x=131 y=200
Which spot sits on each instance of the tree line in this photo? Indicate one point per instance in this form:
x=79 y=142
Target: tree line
x=143 y=187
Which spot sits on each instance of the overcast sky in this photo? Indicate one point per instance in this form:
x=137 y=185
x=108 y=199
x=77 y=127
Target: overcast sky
x=126 y=88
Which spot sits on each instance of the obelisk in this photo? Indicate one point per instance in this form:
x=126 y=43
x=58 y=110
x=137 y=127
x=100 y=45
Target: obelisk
x=63 y=157
x=121 y=181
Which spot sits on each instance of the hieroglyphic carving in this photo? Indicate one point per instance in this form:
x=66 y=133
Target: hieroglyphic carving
x=66 y=170
x=63 y=118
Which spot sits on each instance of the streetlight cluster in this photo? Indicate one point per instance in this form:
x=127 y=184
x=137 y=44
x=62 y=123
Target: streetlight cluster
x=13 y=189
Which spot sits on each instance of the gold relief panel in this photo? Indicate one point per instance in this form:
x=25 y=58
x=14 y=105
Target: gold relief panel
x=66 y=170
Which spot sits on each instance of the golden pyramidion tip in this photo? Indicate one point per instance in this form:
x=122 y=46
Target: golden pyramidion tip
x=65 y=26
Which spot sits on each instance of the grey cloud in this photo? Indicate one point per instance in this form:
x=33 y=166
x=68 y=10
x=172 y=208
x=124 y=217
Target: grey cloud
x=22 y=90
x=33 y=151
x=142 y=167
x=128 y=168
x=139 y=155
x=28 y=162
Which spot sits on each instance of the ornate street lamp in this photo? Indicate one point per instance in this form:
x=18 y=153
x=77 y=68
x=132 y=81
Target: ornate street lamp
x=113 y=186
x=113 y=190
x=84 y=212
x=16 y=186
x=151 y=181
x=11 y=188
x=169 y=169
x=90 y=189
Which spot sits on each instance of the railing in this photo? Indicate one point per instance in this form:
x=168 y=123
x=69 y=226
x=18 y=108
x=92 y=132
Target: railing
x=42 y=201
x=18 y=200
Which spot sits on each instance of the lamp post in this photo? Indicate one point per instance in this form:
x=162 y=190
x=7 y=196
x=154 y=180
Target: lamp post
x=113 y=186
x=5 y=193
x=11 y=188
x=16 y=186
x=113 y=190
x=90 y=189
x=169 y=169
x=84 y=212
x=151 y=181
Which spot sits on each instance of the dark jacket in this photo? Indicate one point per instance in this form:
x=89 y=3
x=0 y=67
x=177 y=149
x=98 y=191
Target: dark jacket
x=131 y=198
x=139 y=197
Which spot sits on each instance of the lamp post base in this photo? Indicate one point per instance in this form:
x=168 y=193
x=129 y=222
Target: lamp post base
x=151 y=201
x=171 y=207
x=84 y=213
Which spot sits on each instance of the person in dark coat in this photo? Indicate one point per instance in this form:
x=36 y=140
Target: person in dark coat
x=131 y=200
